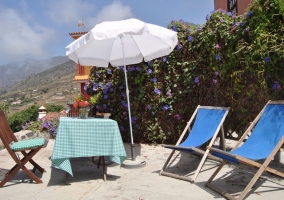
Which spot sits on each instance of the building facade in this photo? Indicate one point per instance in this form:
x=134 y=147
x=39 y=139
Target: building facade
x=82 y=72
x=235 y=6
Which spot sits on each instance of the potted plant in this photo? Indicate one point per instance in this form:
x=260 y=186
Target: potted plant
x=84 y=102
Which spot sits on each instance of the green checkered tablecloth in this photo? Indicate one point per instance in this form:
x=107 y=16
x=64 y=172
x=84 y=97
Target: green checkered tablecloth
x=86 y=138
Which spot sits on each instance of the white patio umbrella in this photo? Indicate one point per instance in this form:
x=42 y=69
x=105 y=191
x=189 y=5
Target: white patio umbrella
x=122 y=43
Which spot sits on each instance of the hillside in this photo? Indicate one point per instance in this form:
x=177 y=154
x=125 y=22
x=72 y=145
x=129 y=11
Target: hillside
x=54 y=85
x=14 y=72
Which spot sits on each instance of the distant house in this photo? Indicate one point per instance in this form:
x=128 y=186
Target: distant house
x=82 y=72
x=235 y=6
x=16 y=102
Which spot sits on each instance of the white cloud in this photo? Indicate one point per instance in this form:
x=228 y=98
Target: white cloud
x=114 y=11
x=69 y=11
x=19 y=40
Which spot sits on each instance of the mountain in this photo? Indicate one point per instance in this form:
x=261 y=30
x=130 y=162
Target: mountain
x=52 y=86
x=15 y=72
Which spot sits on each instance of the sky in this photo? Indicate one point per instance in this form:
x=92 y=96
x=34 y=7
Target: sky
x=39 y=29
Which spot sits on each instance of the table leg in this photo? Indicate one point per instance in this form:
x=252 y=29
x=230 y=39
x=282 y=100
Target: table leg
x=66 y=179
x=104 y=167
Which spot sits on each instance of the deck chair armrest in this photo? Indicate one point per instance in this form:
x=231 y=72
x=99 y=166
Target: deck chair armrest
x=220 y=151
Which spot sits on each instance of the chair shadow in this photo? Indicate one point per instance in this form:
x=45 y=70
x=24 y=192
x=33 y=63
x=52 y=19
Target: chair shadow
x=185 y=164
x=20 y=177
x=236 y=179
x=83 y=170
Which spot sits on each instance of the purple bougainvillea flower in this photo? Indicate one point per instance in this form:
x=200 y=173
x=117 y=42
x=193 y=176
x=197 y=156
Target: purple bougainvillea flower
x=105 y=90
x=190 y=38
x=266 y=59
x=181 y=20
x=108 y=71
x=111 y=90
x=104 y=106
x=123 y=94
x=178 y=117
x=214 y=81
x=199 y=29
x=207 y=17
x=166 y=107
x=169 y=94
x=98 y=73
x=217 y=46
x=157 y=91
x=154 y=80
x=124 y=104
x=138 y=69
x=216 y=73
x=149 y=107
x=133 y=119
x=249 y=13
x=188 y=30
x=221 y=20
x=132 y=68
x=95 y=86
x=234 y=16
x=174 y=28
x=149 y=71
x=121 y=68
x=242 y=24
x=105 y=96
x=149 y=62
x=179 y=47
x=276 y=86
x=196 y=80
x=236 y=23
x=85 y=87
x=217 y=57
x=229 y=14
x=120 y=87
x=164 y=59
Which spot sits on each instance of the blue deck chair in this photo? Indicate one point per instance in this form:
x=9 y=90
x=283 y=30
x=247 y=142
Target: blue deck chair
x=208 y=121
x=266 y=138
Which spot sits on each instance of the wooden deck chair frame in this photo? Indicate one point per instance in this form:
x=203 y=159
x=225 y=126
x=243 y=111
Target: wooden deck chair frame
x=197 y=150
x=261 y=167
x=7 y=136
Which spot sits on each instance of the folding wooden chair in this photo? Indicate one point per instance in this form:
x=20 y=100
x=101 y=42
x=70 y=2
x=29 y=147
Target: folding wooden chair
x=266 y=138
x=208 y=121
x=14 y=146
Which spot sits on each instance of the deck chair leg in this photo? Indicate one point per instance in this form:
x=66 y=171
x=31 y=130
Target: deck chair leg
x=261 y=169
x=168 y=160
x=215 y=173
x=200 y=166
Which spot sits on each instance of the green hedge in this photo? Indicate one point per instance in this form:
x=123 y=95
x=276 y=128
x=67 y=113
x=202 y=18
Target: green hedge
x=234 y=61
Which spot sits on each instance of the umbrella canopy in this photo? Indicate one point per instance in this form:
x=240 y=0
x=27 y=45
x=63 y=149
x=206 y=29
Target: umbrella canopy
x=102 y=45
x=122 y=43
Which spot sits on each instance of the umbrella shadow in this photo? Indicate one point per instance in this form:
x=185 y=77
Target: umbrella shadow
x=237 y=178
x=19 y=177
x=83 y=170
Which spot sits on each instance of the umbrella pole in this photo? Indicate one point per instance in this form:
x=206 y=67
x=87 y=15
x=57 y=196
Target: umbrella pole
x=128 y=102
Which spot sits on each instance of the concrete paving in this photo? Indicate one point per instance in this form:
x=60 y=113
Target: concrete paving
x=140 y=183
